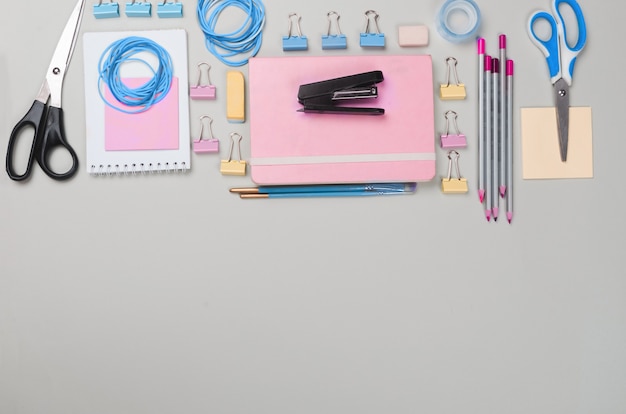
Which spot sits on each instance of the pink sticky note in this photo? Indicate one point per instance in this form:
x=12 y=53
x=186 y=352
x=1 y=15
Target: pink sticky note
x=154 y=129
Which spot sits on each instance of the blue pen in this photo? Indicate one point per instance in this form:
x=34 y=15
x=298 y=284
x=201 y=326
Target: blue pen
x=325 y=190
x=328 y=188
x=322 y=194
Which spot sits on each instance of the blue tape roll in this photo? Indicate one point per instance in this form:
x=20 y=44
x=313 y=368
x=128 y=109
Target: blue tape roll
x=466 y=7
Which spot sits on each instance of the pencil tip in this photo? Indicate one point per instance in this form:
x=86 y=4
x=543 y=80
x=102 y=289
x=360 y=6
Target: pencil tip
x=488 y=215
x=481 y=195
x=509 y=217
x=502 y=191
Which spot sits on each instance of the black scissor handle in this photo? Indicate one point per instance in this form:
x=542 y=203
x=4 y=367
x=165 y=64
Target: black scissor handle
x=49 y=134
x=54 y=136
x=33 y=120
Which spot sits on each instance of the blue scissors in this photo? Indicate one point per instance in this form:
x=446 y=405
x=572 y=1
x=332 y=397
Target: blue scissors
x=47 y=121
x=561 y=58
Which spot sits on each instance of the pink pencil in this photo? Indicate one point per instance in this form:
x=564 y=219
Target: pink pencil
x=488 y=139
x=495 y=140
x=509 y=139
x=503 y=116
x=481 y=119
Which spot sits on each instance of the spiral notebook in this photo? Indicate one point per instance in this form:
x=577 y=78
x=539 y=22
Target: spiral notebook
x=156 y=140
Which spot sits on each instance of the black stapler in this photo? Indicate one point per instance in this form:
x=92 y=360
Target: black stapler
x=325 y=96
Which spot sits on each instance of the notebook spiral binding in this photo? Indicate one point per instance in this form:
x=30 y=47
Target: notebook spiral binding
x=138 y=169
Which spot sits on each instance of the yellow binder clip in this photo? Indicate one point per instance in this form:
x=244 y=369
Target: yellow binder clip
x=230 y=166
x=449 y=91
x=451 y=185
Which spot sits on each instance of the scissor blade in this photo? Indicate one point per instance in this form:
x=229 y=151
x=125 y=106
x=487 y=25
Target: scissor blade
x=65 y=49
x=561 y=98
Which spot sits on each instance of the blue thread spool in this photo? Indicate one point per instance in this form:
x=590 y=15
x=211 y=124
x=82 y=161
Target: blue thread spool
x=368 y=38
x=140 y=9
x=170 y=10
x=337 y=41
x=295 y=42
x=106 y=10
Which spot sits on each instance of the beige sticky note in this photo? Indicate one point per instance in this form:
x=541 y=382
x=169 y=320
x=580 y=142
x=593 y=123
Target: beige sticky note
x=540 y=144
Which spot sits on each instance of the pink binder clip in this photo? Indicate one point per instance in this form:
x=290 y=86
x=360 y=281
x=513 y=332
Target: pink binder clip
x=203 y=92
x=457 y=140
x=211 y=144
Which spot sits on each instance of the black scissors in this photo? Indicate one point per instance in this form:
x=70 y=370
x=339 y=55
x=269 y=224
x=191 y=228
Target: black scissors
x=47 y=122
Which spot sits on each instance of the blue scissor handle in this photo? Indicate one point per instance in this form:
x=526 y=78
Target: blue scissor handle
x=550 y=47
x=559 y=55
x=569 y=53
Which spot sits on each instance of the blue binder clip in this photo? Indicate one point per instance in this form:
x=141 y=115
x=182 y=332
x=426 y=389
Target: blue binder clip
x=170 y=9
x=337 y=41
x=138 y=9
x=106 y=10
x=295 y=42
x=369 y=39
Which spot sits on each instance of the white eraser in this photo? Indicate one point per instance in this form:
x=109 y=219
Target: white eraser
x=413 y=35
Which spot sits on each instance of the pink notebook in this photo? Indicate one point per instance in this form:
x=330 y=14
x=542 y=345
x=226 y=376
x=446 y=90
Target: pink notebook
x=291 y=147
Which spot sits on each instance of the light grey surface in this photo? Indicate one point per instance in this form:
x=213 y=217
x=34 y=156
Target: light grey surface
x=165 y=294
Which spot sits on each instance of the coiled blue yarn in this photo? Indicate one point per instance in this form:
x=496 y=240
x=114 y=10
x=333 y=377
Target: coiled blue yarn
x=246 y=39
x=146 y=95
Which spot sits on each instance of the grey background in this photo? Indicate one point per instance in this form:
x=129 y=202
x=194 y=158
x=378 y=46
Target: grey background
x=163 y=294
